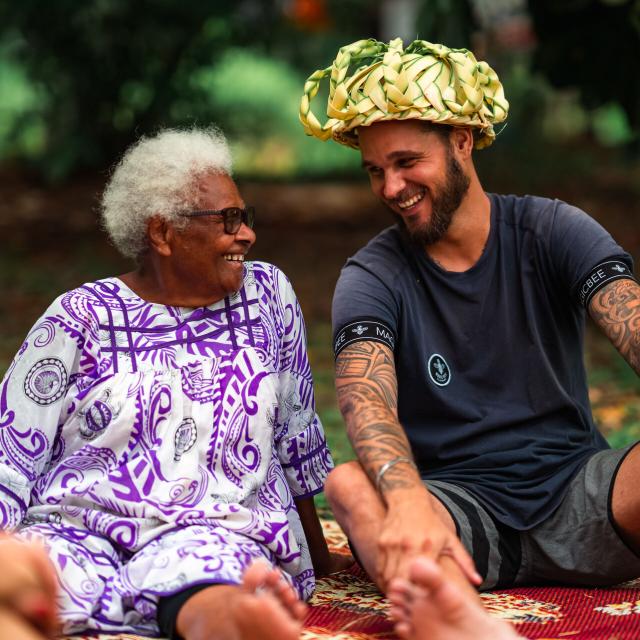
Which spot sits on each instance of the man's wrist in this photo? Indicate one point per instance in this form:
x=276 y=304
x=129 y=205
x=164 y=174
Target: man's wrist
x=409 y=509
x=407 y=497
x=389 y=465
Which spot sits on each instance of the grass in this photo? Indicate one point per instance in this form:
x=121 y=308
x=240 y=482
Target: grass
x=321 y=358
x=613 y=391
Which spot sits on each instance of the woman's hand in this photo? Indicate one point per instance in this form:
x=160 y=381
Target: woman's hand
x=337 y=562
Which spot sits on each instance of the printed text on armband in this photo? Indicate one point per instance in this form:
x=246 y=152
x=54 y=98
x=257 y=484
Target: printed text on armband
x=363 y=330
x=600 y=275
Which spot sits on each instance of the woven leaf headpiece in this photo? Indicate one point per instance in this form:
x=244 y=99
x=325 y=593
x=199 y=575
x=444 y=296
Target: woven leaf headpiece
x=425 y=81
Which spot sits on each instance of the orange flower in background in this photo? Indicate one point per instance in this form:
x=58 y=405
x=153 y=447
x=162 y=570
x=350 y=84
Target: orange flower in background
x=310 y=15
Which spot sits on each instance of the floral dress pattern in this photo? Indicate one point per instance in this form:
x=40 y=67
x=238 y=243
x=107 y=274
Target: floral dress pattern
x=152 y=448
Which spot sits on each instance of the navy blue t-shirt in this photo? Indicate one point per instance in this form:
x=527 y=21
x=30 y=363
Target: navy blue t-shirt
x=492 y=388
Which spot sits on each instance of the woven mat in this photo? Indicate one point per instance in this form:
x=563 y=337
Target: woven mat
x=347 y=606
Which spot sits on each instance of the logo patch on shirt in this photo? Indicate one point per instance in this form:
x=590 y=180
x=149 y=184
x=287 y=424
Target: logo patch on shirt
x=439 y=371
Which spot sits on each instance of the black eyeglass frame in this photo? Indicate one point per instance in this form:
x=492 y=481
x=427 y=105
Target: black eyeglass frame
x=231 y=218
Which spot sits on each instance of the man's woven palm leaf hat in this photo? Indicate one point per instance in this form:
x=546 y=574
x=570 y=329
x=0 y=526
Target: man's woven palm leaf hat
x=370 y=81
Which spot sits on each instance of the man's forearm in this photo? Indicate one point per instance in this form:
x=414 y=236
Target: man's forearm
x=377 y=438
x=367 y=396
x=616 y=310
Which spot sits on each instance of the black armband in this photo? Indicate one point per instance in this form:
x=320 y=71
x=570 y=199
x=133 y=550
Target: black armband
x=599 y=276
x=363 y=330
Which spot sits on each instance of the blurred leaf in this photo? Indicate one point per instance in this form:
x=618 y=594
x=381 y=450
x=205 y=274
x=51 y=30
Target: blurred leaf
x=575 y=50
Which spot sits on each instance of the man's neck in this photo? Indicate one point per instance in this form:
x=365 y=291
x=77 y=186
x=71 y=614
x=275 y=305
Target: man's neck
x=466 y=238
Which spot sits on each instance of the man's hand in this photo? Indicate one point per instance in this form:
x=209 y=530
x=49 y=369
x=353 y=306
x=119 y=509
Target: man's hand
x=28 y=583
x=412 y=528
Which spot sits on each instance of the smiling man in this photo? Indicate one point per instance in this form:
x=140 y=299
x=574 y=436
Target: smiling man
x=459 y=366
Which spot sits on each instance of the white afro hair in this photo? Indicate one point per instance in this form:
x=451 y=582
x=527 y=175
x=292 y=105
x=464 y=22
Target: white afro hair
x=158 y=176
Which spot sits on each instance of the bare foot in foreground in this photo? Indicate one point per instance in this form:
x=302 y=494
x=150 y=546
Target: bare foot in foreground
x=15 y=627
x=28 y=590
x=429 y=607
x=263 y=607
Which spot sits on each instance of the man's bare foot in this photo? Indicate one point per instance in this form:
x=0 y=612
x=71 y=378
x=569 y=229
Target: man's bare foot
x=429 y=607
x=263 y=607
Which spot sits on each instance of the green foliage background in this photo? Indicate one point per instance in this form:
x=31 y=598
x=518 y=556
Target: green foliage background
x=80 y=80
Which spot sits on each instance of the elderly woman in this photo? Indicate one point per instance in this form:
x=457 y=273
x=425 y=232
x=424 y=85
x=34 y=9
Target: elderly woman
x=158 y=430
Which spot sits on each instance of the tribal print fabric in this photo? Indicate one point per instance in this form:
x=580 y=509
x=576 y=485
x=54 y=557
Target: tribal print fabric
x=152 y=447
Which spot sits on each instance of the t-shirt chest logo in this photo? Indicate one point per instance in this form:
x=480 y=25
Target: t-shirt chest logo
x=439 y=371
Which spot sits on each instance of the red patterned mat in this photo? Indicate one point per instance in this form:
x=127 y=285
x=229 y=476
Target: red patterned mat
x=347 y=606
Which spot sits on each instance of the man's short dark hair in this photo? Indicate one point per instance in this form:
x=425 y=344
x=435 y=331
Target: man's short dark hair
x=443 y=131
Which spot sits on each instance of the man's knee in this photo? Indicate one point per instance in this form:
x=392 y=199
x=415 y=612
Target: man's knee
x=625 y=499
x=344 y=483
x=353 y=500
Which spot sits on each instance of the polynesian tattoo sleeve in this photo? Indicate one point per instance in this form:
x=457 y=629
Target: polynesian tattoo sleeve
x=616 y=310
x=366 y=386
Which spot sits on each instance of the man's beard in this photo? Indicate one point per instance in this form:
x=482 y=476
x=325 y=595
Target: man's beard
x=443 y=206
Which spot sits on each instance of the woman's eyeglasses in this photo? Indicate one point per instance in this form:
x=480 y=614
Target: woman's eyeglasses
x=232 y=217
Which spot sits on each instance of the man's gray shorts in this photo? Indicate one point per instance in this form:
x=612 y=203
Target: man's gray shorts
x=578 y=544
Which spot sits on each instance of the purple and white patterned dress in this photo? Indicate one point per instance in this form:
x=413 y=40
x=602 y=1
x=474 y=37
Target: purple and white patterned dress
x=153 y=447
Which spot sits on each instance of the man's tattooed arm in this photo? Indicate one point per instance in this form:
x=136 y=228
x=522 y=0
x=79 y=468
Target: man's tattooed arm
x=616 y=310
x=367 y=391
